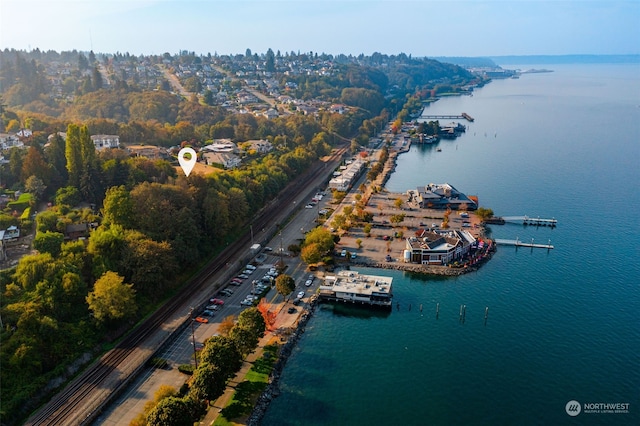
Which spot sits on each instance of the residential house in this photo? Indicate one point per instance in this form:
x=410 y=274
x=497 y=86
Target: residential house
x=226 y=159
x=260 y=146
x=76 y=231
x=271 y=113
x=148 y=151
x=105 y=141
x=10 y=140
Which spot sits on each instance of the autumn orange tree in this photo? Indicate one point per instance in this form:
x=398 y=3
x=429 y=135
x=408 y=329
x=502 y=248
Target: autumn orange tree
x=269 y=316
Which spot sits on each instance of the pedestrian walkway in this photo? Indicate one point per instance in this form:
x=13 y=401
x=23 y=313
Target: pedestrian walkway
x=283 y=320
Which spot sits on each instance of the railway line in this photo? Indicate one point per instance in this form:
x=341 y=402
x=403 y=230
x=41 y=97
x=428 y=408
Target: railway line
x=86 y=395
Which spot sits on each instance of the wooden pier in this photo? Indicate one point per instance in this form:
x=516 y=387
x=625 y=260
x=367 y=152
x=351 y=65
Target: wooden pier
x=517 y=243
x=463 y=116
x=534 y=221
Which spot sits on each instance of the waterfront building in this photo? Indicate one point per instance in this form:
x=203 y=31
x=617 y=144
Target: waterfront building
x=352 y=287
x=438 y=247
x=348 y=176
x=441 y=196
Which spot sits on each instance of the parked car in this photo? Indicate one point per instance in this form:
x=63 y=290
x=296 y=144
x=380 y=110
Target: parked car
x=268 y=249
x=308 y=206
x=343 y=253
x=237 y=280
x=292 y=310
x=217 y=301
x=308 y=283
x=243 y=276
x=353 y=255
x=246 y=302
x=301 y=295
x=212 y=307
x=250 y=267
x=201 y=320
x=323 y=211
x=208 y=313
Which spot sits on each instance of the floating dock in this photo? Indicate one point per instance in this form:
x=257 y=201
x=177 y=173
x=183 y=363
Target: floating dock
x=535 y=221
x=462 y=116
x=517 y=243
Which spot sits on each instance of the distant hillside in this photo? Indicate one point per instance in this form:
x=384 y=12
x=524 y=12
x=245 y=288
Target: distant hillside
x=467 y=62
x=566 y=59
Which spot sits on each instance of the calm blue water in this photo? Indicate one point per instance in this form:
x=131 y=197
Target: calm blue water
x=563 y=325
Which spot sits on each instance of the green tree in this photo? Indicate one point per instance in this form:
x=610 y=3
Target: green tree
x=171 y=411
x=47 y=221
x=398 y=202
x=48 y=242
x=35 y=186
x=55 y=155
x=248 y=330
x=322 y=237
x=285 y=285
x=312 y=253
x=68 y=196
x=112 y=299
x=270 y=61
x=222 y=352
x=118 y=207
x=150 y=265
x=207 y=383
x=484 y=213
x=73 y=154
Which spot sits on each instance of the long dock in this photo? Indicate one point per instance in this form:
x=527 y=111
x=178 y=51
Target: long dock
x=535 y=221
x=462 y=116
x=517 y=243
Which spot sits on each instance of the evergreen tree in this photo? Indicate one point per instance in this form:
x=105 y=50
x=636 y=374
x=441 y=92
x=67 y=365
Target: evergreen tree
x=270 y=64
x=96 y=78
x=73 y=154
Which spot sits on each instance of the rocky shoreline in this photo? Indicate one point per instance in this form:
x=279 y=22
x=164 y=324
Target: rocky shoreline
x=272 y=390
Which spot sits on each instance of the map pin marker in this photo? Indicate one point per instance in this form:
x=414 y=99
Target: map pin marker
x=187 y=164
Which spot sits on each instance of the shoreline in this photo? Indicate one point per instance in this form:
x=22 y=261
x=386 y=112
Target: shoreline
x=272 y=390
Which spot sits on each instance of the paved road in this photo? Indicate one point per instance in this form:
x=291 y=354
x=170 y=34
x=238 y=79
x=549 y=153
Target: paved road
x=131 y=402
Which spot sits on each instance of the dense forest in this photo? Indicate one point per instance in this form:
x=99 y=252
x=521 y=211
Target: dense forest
x=149 y=225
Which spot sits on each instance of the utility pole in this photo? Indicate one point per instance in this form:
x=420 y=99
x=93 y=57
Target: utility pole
x=193 y=338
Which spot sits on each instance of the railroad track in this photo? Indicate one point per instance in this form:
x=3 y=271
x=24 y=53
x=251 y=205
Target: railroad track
x=85 y=396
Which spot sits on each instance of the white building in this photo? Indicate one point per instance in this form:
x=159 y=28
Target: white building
x=105 y=141
x=350 y=286
x=10 y=140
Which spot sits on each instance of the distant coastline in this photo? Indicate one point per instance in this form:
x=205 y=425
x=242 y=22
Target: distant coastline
x=565 y=59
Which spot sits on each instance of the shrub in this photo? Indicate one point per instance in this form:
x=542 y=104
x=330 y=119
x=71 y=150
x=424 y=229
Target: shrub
x=187 y=369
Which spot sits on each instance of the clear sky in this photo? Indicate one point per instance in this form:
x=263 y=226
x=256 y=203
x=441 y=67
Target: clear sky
x=418 y=27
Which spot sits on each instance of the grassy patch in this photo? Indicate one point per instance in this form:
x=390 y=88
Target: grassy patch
x=248 y=391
